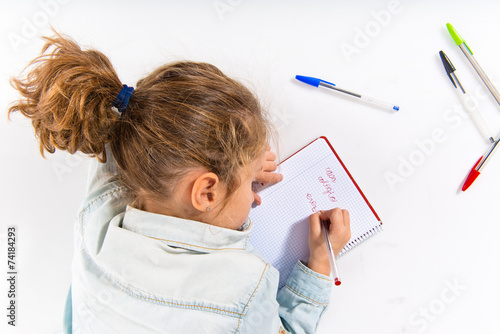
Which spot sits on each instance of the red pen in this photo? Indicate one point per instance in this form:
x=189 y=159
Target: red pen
x=476 y=170
x=331 y=256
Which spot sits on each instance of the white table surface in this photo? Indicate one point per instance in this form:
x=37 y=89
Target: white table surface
x=434 y=268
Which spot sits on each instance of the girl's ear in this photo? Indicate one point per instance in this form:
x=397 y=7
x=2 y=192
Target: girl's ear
x=205 y=192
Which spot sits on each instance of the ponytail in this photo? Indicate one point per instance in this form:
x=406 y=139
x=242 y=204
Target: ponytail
x=67 y=93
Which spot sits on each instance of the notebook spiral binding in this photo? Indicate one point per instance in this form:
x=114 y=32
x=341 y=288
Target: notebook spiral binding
x=360 y=239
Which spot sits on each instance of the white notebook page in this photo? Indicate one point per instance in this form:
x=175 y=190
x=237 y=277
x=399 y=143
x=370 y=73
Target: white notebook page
x=314 y=179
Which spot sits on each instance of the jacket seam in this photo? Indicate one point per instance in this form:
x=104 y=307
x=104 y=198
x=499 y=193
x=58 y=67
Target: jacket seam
x=311 y=274
x=84 y=210
x=303 y=296
x=177 y=304
x=249 y=299
x=188 y=244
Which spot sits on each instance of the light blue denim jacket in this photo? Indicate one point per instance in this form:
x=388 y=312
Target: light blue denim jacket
x=139 y=272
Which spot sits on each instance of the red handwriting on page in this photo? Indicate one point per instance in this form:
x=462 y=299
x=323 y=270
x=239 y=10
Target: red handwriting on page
x=326 y=183
x=313 y=203
x=330 y=174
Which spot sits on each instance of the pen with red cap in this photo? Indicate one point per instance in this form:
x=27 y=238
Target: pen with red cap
x=476 y=170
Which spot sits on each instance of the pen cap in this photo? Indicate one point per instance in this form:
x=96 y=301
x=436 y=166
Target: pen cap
x=448 y=66
x=447 y=63
x=312 y=81
x=472 y=176
x=456 y=36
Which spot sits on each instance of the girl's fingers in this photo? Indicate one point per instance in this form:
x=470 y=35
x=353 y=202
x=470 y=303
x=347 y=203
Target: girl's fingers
x=267 y=174
x=269 y=166
x=256 y=198
x=347 y=219
x=314 y=226
x=269 y=155
x=339 y=229
x=268 y=177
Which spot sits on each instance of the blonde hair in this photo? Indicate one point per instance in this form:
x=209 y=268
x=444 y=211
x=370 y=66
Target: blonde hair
x=183 y=115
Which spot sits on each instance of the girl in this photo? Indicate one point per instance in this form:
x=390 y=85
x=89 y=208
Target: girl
x=161 y=237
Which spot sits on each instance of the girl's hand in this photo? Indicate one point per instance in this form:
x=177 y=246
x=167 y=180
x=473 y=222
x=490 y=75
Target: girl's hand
x=339 y=232
x=267 y=174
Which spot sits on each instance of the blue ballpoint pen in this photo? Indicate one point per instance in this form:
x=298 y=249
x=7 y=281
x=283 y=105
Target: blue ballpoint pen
x=318 y=82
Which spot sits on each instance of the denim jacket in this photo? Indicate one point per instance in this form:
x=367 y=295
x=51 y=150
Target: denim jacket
x=140 y=272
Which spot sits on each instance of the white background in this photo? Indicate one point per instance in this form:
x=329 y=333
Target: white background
x=434 y=269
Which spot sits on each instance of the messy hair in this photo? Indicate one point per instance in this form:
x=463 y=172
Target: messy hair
x=183 y=115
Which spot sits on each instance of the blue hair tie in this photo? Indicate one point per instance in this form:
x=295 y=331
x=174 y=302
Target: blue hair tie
x=121 y=100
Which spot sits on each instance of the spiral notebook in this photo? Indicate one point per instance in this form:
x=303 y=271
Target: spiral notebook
x=314 y=179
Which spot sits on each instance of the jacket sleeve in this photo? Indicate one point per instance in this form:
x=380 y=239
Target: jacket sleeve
x=303 y=299
x=296 y=310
